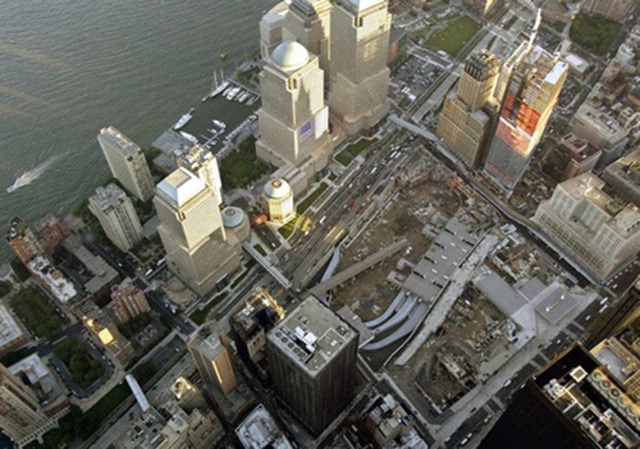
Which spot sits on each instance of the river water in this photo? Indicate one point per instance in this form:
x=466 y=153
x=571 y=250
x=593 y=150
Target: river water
x=70 y=67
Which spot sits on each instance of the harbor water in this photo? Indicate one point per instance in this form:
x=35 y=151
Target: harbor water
x=70 y=67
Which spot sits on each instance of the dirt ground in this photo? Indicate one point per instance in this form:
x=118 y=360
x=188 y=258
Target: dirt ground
x=424 y=195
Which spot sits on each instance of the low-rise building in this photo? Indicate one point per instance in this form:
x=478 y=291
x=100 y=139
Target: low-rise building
x=259 y=431
x=599 y=232
x=127 y=301
x=624 y=176
x=600 y=128
x=52 y=279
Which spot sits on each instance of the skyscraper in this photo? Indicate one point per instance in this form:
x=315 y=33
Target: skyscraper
x=202 y=163
x=602 y=234
x=309 y=23
x=294 y=120
x=212 y=358
x=192 y=233
x=466 y=115
x=21 y=416
x=531 y=79
x=358 y=94
x=127 y=163
x=312 y=359
x=117 y=216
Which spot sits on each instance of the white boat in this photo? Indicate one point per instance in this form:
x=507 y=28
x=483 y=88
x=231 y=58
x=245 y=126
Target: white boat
x=182 y=121
x=218 y=90
x=190 y=137
x=29 y=176
x=219 y=123
x=243 y=97
x=232 y=94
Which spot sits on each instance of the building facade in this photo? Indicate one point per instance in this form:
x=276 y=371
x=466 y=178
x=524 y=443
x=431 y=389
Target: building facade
x=127 y=301
x=599 y=232
x=212 y=358
x=21 y=416
x=308 y=22
x=481 y=6
x=126 y=162
x=294 y=120
x=192 y=233
x=117 y=216
x=467 y=112
x=312 y=357
x=23 y=241
x=271 y=25
x=358 y=93
x=531 y=91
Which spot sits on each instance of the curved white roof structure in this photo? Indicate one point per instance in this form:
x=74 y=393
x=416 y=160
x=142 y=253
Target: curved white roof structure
x=180 y=186
x=290 y=56
x=277 y=189
x=232 y=217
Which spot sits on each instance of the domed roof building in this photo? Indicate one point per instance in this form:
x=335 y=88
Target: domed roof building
x=278 y=201
x=236 y=224
x=290 y=56
x=294 y=120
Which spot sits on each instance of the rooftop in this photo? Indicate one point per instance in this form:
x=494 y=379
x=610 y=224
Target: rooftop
x=277 y=189
x=259 y=431
x=118 y=141
x=180 y=186
x=9 y=329
x=312 y=335
x=61 y=288
x=232 y=217
x=361 y=5
x=450 y=248
x=108 y=196
x=39 y=376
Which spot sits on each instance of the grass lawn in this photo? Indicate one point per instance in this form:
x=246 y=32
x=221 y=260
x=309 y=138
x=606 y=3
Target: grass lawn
x=332 y=176
x=309 y=200
x=258 y=247
x=83 y=426
x=361 y=145
x=241 y=167
x=595 y=34
x=343 y=159
x=84 y=369
x=199 y=316
x=36 y=313
x=452 y=38
x=287 y=229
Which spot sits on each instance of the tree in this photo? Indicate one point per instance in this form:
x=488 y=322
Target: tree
x=5 y=288
x=21 y=272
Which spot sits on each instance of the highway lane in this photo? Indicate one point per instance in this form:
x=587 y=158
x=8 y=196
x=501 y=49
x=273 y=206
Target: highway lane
x=338 y=212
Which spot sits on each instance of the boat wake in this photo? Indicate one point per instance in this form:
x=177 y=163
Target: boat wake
x=29 y=176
